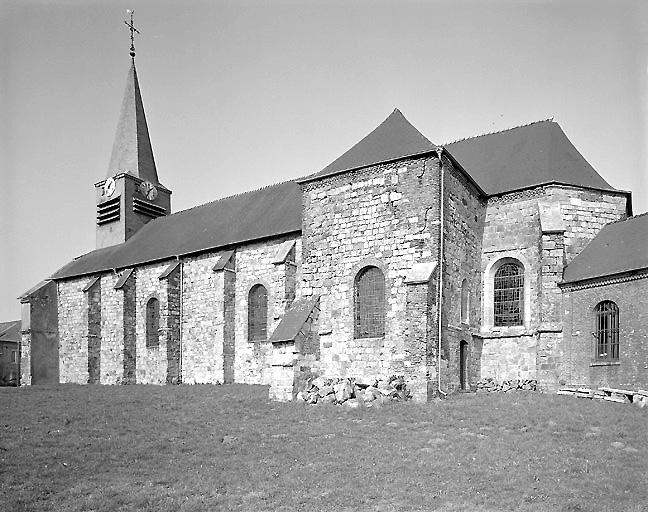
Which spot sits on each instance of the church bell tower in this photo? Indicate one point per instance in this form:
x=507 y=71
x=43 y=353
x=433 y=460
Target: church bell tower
x=131 y=195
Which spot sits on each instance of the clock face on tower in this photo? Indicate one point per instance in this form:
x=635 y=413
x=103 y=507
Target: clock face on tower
x=148 y=190
x=109 y=187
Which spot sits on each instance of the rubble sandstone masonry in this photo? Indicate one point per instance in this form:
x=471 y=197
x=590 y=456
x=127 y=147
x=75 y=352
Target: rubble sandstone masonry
x=513 y=231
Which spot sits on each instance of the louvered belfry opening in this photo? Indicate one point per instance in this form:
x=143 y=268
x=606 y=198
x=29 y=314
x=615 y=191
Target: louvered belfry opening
x=258 y=313
x=606 y=331
x=370 y=303
x=508 y=300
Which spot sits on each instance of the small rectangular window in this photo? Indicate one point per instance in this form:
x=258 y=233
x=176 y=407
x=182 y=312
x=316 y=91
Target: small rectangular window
x=14 y=356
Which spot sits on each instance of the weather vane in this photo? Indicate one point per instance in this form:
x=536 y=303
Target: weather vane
x=132 y=31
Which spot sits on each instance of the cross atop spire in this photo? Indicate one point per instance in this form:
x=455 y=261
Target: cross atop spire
x=132 y=31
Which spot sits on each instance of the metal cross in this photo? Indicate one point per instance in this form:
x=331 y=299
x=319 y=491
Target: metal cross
x=132 y=31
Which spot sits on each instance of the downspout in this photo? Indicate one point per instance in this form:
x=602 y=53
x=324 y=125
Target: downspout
x=439 y=152
x=181 y=298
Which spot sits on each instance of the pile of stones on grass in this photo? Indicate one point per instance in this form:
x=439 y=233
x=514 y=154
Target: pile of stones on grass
x=621 y=396
x=489 y=385
x=354 y=392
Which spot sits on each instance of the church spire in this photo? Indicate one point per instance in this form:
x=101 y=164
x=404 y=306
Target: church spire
x=131 y=195
x=132 y=152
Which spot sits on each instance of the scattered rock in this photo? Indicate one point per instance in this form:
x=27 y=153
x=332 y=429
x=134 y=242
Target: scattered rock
x=343 y=391
x=630 y=449
x=229 y=439
x=617 y=444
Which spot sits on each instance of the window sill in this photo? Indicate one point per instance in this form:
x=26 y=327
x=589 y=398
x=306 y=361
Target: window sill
x=370 y=338
x=605 y=363
x=506 y=332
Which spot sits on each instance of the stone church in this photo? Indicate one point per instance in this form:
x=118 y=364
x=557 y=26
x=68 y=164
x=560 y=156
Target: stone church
x=503 y=256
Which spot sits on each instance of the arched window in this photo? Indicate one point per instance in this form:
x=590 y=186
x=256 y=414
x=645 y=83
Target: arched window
x=369 y=303
x=153 y=322
x=465 y=301
x=257 y=313
x=606 y=331
x=508 y=295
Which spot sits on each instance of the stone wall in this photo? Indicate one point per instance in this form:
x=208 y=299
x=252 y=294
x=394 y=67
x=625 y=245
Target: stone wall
x=112 y=330
x=151 y=360
x=542 y=228
x=202 y=320
x=256 y=264
x=73 y=331
x=578 y=348
x=464 y=214
x=385 y=216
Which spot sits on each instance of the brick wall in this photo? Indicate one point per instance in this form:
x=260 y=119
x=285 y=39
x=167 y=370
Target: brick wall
x=578 y=348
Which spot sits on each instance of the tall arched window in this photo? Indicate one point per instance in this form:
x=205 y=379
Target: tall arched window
x=606 y=331
x=369 y=303
x=508 y=295
x=257 y=313
x=465 y=301
x=153 y=322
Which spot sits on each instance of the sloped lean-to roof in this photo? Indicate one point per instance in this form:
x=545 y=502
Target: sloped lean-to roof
x=393 y=139
x=10 y=331
x=618 y=248
x=267 y=212
x=525 y=157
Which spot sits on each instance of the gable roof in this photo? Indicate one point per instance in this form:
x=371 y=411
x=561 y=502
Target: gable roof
x=10 y=331
x=524 y=157
x=619 y=247
x=263 y=213
x=393 y=139
x=132 y=152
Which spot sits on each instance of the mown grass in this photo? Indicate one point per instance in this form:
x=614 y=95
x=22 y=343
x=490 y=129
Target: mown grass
x=197 y=448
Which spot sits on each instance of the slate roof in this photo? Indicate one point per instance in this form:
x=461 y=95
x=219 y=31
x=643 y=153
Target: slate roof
x=619 y=247
x=10 y=331
x=132 y=152
x=393 y=139
x=263 y=213
x=524 y=157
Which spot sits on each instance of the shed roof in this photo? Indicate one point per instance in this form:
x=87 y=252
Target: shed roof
x=393 y=139
x=263 y=213
x=618 y=248
x=10 y=331
x=524 y=157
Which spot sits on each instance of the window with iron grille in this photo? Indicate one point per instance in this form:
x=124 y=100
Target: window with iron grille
x=508 y=297
x=153 y=323
x=257 y=313
x=606 y=333
x=369 y=306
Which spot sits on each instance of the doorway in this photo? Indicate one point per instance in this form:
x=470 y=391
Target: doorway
x=463 y=364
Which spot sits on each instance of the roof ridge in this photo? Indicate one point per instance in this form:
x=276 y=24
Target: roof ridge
x=499 y=131
x=238 y=194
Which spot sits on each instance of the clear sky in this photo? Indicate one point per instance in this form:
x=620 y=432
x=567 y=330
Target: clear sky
x=242 y=94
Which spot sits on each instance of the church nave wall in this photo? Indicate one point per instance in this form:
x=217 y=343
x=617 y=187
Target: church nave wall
x=73 y=331
x=202 y=320
x=256 y=263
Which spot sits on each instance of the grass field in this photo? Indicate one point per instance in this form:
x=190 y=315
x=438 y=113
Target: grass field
x=199 y=448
